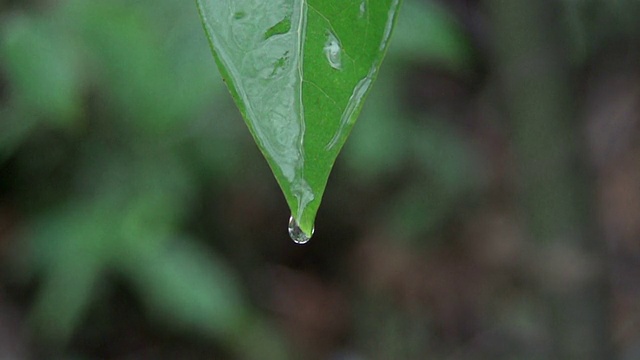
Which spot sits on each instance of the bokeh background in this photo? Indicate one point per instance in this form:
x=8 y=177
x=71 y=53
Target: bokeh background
x=486 y=206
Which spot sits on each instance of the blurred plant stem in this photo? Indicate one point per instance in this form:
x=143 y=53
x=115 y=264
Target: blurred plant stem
x=554 y=184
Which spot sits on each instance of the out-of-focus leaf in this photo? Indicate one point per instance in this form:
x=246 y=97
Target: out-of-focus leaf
x=42 y=69
x=196 y=81
x=72 y=249
x=14 y=128
x=299 y=72
x=134 y=201
x=452 y=171
x=155 y=77
x=184 y=285
x=125 y=57
x=427 y=32
x=443 y=152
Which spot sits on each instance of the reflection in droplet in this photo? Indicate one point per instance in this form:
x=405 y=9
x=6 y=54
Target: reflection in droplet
x=297 y=235
x=239 y=15
x=333 y=51
x=363 y=8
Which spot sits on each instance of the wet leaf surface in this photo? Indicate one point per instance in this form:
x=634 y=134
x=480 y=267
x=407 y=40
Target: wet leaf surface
x=299 y=72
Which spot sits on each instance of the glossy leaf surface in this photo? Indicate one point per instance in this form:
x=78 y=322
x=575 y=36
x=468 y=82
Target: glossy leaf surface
x=299 y=71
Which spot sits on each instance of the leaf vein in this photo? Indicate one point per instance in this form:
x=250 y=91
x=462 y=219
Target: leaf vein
x=323 y=92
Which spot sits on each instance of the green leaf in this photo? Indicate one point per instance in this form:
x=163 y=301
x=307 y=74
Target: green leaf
x=41 y=64
x=299 y=72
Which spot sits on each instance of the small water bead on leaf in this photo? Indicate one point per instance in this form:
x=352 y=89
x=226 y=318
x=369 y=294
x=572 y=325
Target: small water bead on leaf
x=295 y=232
x=333 y=51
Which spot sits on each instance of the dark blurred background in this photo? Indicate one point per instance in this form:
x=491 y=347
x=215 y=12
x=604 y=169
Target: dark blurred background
x=486 y=206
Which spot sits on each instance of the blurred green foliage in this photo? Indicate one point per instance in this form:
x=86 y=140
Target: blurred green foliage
x=115 y=117
x=115 y=130
x=112 y=120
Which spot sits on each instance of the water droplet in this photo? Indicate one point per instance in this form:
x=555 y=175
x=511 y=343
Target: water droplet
x=239 y=15
x=354 y=102
x=333 y=51
x=387 y=28
x=363 y=8
x=297 y=235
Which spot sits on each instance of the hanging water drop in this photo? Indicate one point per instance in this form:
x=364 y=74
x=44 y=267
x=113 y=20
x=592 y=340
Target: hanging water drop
x=297 y=235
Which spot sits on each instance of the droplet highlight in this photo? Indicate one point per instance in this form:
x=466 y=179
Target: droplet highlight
x=295 y=232
x=333 y=51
